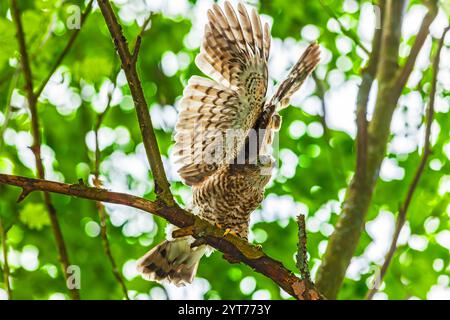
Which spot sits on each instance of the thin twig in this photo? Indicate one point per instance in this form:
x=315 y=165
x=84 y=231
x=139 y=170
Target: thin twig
x=65 y=51
x=230 y=245
x=334 y=156
x=404 y=73
x=36 y=147
x=401 y=219
x=99 y=205
x=321 y=94
x=100 y=117
x=107 y=248
x=97 y=181
x=368 y=76
x=8 y=107
x=348 y=33
x=302 y=252
x=343 y=241
x=165 y=206
x=162 y=186
x=47 y=36
x=6 y=273
x=138 y=42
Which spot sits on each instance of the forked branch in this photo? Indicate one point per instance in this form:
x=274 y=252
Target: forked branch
x=230 y=245
x=401 y=219
x=36 y=147
x=162 y=186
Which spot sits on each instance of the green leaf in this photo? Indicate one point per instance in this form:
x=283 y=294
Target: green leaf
x=7 y=41
x=35 y=216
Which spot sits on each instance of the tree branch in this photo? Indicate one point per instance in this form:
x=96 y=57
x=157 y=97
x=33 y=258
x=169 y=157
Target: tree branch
x=393 y=13
x=36 y=147
x=138 y=42
x=371 y=144
x=162 y=186
x=340 y=248
x=229 y=245
x=345 y=238
x=404 y=73
x=368 y=77
x=348 y=33
x=302 y=252
x=390 y=84
x=65 y=51
x=401 y=219
x=320 y=87
x=99 y=205
x=334 y=155
x=8 y=107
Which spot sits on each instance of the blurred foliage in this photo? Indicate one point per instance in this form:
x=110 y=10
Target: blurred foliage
x=325 y=161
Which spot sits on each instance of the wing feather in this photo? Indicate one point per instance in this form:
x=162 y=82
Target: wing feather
x=236 y=28
x=298 y=74
x=266 y=41
x=258 y=33
x=246 y=27
x=234 y=56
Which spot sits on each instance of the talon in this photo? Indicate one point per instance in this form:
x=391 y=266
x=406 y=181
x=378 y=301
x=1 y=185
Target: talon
x=230 y=231
x=258 y=246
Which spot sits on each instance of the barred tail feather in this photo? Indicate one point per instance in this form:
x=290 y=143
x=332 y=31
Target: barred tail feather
x=171 y=261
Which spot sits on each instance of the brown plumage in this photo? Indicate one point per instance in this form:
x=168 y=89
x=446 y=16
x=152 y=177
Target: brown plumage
x=227 y=198
x=234 y=54
x=232 y=193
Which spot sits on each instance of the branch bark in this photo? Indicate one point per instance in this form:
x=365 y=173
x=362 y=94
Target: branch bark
x=403 y=73
x=98 y=182
x=302 y=252
x=162 y=186
x=332 y=270
x=371 y=141
x=230 y=245
x=36 y=147
x=401 y=219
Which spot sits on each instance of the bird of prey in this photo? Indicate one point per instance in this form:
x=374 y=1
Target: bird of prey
x=230 y=102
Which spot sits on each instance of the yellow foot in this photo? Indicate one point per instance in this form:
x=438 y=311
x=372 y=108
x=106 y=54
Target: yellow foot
x=230 y=231
x=258 y=246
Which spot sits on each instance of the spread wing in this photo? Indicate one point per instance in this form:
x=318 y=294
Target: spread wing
x=297 y=76
x=216 y=113
x=269 y=120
